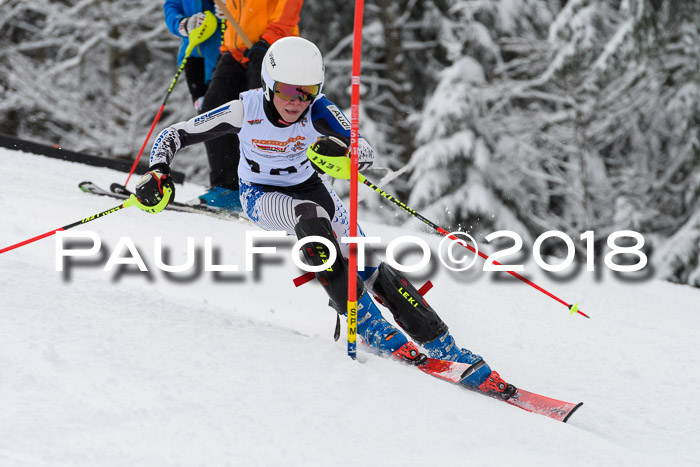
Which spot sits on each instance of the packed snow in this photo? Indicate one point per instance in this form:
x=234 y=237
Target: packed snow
x=125 y=367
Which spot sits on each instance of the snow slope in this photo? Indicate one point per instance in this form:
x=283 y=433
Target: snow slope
x=131 y=368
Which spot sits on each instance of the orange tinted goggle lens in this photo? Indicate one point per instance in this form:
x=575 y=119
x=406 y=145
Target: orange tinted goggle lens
x=289 y=92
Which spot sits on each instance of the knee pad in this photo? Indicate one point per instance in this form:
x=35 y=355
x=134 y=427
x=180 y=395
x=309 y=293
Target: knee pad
x=410 y=310
x=334 y=279
x=307 y=210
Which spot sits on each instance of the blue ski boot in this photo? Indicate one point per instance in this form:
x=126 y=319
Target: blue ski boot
x=376 y=332
x=480 y=376
x=223 y=198
x=445 y=348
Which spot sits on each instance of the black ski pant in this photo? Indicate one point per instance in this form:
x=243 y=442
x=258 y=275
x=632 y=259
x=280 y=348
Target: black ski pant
x=228 y=81
x=195 y=75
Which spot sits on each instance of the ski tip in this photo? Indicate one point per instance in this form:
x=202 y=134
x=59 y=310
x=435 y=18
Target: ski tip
x=571 y=412
x=85 y=186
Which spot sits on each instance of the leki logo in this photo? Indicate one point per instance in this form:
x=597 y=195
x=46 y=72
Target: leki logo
x=412 y=301
x=324 y=257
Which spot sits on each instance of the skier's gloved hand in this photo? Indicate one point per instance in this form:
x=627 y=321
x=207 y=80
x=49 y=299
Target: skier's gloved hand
x=150 y=189
x=329 y=156
x=331 y=146
x=255 y=57
x=190 y=23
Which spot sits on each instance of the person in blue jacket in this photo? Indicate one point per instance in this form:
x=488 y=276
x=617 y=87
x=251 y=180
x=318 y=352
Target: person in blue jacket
x=181 y=17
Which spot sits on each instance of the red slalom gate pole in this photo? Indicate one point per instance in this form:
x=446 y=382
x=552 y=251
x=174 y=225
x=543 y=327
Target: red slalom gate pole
x=354 y=136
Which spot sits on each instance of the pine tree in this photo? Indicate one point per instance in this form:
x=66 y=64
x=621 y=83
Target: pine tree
x=461 y=172
x=400 y=62
x=585 y=119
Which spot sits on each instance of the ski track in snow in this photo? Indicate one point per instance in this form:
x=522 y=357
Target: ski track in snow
x=104 y=368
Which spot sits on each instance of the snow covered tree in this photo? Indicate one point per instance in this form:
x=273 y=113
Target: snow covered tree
x=583 y=118
x=528 y=115
x=85 y=74
x=458 y=175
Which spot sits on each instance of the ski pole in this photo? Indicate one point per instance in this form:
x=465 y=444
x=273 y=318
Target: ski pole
x=196 y=37
x=131 y=201
x=339 y=167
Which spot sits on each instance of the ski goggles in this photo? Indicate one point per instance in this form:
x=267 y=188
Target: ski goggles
x=290 y=92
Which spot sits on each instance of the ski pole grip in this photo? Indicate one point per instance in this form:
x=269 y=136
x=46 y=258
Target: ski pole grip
x=134 y=201
x=335 y=166
x=203 y=32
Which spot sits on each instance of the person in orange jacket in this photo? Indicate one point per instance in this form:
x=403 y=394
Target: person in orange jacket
x=238 y=70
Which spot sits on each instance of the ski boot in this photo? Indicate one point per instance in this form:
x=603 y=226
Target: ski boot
x=480 y=376
x=377 y=333
x=444 y=348
x=222 y=198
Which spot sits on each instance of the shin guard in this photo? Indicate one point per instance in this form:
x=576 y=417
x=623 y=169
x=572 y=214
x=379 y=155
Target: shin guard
x=334 y=279
x=410 y=310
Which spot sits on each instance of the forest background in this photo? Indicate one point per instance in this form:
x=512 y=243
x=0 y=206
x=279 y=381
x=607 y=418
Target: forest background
x=521 y=115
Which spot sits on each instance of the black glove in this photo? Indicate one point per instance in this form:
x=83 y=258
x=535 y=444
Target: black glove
x=328 y=146
x=332 y=146
x=255 y=57
x=149 y=190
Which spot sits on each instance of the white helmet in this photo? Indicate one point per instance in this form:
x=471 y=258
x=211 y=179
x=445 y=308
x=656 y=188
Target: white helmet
x=292 y=60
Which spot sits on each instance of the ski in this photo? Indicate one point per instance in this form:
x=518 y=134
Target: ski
x=542 y=405
x=120 y=192
x=455 y=372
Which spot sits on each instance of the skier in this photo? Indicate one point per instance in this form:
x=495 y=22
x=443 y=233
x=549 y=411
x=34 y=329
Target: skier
x=280 y=190
x=182 y=17
x=238 y=70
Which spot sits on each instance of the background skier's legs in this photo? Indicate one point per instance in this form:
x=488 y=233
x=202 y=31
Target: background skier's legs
x=195 y=78
x=223 y=153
